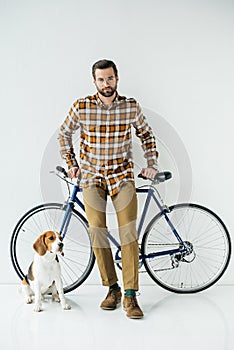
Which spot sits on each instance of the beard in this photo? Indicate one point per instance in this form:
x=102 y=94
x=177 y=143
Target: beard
x=107 y=92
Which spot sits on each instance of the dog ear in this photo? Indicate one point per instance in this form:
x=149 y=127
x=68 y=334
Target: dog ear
x=39 y=246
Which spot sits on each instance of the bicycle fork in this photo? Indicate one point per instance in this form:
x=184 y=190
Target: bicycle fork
x=69 y=204
x=66 y=219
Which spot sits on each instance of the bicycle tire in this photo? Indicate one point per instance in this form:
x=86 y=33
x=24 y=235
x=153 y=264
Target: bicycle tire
x=78 y=259
x=211 y=249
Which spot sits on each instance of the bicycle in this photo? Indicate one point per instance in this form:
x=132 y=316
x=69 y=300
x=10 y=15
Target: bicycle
x=185 y=248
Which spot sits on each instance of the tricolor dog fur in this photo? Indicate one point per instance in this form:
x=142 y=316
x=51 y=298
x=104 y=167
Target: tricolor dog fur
x=44 y=274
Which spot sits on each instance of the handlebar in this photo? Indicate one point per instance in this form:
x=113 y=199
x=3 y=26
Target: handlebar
x=63 y=175
x=160 y=177
x=61 y=170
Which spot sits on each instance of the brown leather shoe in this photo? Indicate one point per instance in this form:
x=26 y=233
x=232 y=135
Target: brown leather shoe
x=113 y=298
x=131 y=307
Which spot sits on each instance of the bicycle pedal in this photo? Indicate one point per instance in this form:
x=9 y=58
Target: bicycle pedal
x=166 y=209
x=118 y=261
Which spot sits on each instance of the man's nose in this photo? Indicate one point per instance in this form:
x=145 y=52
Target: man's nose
x=106 y=82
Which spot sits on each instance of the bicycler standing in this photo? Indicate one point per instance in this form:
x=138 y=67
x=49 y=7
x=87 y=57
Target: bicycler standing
x=106 y=165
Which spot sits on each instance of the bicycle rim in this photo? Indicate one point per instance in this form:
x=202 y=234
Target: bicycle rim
x=209 y=256
x=78 y=259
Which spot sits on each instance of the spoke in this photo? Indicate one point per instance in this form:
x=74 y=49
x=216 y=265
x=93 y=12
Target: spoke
x=208 y=239
x=78 y=259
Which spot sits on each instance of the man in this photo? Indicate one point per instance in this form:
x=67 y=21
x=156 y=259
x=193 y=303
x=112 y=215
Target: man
x=106 y=165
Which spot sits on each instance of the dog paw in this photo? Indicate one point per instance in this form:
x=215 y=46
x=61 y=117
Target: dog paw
x=56 y=298
x=67 y=307
x=29 y=300
x=37 y=308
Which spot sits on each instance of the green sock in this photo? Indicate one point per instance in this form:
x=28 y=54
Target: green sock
x=115 y=286
x=130 y=292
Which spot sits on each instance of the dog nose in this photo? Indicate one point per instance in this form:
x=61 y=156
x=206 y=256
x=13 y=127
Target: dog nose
x=60 y=245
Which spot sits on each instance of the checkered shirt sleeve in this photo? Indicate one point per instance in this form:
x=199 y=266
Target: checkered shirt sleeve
x=144 y=132
x=68 y=128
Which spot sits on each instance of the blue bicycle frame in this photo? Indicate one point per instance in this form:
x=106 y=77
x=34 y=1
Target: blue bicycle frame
x=150 y=195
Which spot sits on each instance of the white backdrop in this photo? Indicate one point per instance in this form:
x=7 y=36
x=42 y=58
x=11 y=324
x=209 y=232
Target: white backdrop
x=175 y=57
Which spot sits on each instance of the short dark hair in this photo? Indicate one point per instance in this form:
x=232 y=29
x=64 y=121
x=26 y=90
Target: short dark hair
x=103 y=64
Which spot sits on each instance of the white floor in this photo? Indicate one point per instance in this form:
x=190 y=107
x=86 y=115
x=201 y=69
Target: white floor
x=203 y=321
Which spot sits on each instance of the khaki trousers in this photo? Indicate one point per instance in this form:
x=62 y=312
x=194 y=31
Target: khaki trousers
x=125 y=204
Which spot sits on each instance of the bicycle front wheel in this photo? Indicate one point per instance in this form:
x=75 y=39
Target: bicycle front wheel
x=78 y=259
x=209 y=249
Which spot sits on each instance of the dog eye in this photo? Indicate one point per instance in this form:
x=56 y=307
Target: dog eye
x=51 y=238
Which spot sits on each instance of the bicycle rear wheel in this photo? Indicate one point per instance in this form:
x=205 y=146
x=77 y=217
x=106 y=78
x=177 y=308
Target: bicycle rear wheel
x=205 y=235
x=78 y=259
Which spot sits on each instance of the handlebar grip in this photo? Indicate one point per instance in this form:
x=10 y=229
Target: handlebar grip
x=142 y=177
x=161 y=177
x=61 y=170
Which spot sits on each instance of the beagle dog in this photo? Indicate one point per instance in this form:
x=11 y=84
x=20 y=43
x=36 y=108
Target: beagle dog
x=44 y=274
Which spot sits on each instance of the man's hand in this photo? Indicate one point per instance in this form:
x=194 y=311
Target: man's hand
x=73 y=172
x=150 y=173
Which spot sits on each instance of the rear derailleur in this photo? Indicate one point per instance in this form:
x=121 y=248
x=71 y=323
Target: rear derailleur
x=187 y=252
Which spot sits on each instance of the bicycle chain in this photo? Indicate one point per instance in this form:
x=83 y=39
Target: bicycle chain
x=166 y=269
x=163 y=244
x=158 y=244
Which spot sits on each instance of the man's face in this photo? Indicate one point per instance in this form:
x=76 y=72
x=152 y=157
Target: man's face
x=106 y=81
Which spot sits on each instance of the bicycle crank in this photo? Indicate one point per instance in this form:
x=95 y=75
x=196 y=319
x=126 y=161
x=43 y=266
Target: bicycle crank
x=118 y=259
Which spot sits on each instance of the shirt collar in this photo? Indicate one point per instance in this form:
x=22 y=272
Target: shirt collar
x=96 y=99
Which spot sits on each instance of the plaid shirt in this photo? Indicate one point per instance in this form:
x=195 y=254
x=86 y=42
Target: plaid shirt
x=105 y=140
